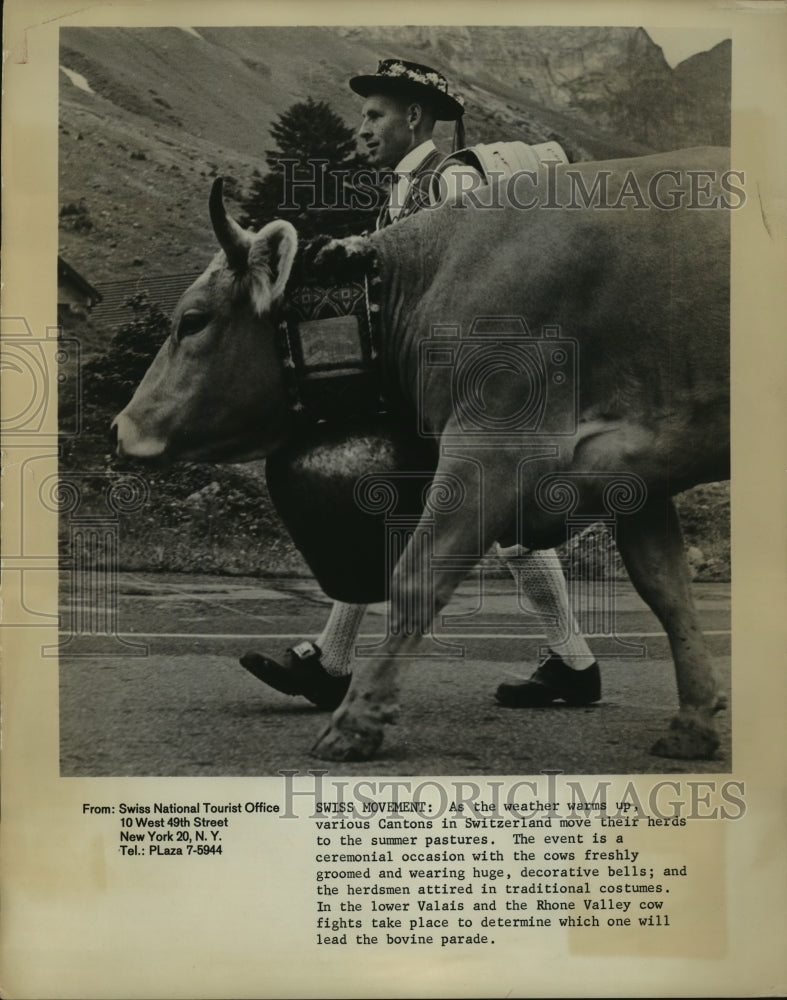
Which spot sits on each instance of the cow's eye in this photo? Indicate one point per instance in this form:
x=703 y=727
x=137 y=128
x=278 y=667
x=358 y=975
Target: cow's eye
x=191 y=322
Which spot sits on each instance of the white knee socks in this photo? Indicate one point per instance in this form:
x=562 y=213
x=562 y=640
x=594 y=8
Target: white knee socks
x=542 y=582
x=541 y=579
x=338 y=637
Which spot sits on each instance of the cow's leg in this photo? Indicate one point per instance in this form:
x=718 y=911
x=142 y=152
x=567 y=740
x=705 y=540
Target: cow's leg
x=651 y=544
x=419 y=590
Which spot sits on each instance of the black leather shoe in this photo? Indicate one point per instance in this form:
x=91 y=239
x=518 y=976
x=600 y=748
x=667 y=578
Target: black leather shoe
x=302 y=673
x=553 y=681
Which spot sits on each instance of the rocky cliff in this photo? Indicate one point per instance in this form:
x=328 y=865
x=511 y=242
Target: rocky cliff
x=148 y=116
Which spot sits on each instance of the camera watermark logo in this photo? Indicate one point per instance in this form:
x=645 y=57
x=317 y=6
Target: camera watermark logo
x=31 y=369
x=504 y=404
x=43 y=407
x=504 y=381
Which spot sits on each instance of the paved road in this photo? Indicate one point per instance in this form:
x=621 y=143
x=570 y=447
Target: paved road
x=179 y=703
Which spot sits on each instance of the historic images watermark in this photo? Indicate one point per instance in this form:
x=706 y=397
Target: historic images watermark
x=669 y=802
x=312 y=185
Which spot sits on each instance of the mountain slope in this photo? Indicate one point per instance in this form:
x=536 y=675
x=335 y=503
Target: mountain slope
x=166 y=109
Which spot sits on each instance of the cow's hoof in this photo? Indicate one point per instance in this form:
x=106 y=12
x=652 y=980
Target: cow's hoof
x=691 y=736
x=348 y=741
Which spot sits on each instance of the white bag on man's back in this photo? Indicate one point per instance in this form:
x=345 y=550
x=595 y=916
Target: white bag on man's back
x=504 y=159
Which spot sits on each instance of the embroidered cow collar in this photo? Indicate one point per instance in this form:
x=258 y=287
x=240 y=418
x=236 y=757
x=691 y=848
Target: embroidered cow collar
x=328 y=333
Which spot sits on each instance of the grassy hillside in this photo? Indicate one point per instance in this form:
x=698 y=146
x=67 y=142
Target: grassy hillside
x=149 y=115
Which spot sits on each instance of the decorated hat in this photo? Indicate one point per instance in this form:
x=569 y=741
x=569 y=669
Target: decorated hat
x=396 y=76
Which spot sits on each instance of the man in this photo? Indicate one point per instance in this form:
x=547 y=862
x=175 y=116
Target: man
x=402 y=103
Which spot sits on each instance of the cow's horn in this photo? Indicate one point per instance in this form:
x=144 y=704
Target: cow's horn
x=233 y=240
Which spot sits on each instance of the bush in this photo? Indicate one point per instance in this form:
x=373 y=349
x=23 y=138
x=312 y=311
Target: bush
x=112 y=378
x=76 y=217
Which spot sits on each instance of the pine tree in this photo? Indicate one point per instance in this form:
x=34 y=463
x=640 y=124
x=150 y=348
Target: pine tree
x=312 y=130
x=310 y=176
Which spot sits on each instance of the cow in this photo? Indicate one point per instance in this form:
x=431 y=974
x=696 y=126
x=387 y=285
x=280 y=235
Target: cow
x=638 y=283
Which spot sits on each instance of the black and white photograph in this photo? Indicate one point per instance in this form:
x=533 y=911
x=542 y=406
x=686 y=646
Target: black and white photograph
x=393 y=537
x=438 y=433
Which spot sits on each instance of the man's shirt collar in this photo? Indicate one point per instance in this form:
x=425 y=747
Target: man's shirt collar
x=414 y=158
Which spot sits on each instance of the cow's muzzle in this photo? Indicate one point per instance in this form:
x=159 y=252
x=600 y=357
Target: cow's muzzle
x=126 y=442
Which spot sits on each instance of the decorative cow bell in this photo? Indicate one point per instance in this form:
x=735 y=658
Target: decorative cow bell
x=327 y=347
x=313 y=482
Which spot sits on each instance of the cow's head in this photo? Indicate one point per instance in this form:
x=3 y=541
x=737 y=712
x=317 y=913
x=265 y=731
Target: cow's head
x=214 y=391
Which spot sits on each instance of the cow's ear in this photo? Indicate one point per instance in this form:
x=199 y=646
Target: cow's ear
x=270 y=262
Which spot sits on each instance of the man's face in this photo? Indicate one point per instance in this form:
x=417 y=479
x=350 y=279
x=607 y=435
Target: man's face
x=385 y=129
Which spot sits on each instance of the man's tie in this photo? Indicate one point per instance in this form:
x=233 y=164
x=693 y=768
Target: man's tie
x=400 y=185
